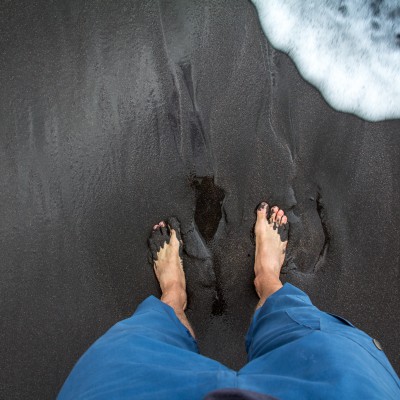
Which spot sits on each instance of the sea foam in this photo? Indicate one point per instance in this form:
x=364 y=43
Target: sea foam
x=348 y=49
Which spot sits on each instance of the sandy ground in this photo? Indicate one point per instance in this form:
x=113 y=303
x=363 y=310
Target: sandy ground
x=115 y=116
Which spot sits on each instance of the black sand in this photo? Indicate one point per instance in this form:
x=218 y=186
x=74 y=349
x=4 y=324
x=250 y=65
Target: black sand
x=115 y=115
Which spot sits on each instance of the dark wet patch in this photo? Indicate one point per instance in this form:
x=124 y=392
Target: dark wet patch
x=322 y=215
x=208 y=212
x=207 y=216
x=219 y=304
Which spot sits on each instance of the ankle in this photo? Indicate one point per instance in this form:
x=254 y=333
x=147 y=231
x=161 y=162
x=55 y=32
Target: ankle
x=270 y=268
x=175 y=296
x=266 y=284
x=172 y=286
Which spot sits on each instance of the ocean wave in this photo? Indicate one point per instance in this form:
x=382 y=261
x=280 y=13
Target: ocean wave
x=348 y=49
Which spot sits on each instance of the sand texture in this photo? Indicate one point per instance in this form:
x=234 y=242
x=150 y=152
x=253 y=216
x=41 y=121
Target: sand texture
x=115 y=115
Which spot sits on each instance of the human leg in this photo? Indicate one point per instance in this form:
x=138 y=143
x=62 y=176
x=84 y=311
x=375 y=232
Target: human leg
x=152 y=354
x=168 y=267
x=271 y=241
x=297 y=351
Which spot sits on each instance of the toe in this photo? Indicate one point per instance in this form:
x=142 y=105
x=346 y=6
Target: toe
x=174 y=228
x=279 y=216
x=173 y=233
x=163 y=228
x=155 y=227
x=274 y=211
x=262 y=210
x=174 y=241
x=284 y=220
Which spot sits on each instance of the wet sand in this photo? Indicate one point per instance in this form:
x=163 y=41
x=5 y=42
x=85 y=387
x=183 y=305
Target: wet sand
x=117 y=116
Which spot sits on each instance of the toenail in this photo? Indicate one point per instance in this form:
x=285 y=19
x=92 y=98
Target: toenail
x=262 y=206
x=162 y=224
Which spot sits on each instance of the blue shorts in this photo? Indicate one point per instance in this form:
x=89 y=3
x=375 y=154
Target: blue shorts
x=295 y=351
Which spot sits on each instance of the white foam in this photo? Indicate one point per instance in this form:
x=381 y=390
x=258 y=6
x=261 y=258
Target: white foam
x=348 y=49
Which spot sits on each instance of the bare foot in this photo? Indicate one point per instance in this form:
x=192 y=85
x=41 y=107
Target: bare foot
x=165 y=245
x=271 y=241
